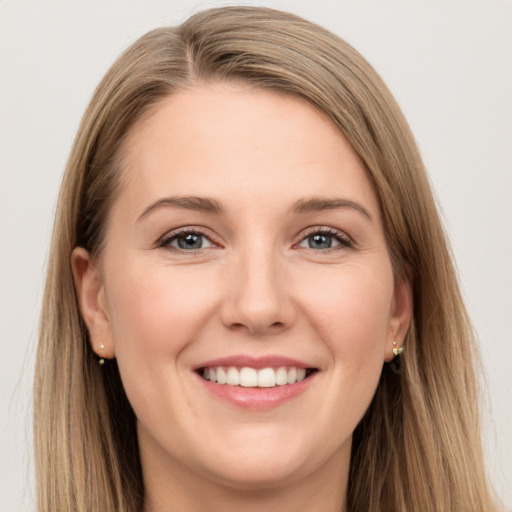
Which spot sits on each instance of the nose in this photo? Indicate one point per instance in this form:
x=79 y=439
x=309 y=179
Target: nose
x=258 y=296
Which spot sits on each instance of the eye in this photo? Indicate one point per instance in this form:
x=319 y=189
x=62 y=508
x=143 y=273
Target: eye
x=186 y=241
x=324 y=239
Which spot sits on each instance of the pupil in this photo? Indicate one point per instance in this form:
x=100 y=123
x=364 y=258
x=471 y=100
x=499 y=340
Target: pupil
x=190 y=241
x=319 y=241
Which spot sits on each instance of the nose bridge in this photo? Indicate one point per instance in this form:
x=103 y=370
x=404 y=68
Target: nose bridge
x=258 y=298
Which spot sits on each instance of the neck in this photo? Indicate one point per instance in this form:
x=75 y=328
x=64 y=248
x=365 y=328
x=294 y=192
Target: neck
x=219 y=498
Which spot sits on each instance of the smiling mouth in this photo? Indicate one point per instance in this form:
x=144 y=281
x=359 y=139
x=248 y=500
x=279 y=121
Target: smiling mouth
x=248 y=377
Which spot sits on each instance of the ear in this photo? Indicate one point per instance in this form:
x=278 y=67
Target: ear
x=401 y=313
x=91 y=299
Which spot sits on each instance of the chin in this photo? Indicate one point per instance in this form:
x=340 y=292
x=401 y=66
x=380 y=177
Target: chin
x=263 y=463
x=258 y=476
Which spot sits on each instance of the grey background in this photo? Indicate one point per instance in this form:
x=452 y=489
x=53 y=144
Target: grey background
x=448 y=63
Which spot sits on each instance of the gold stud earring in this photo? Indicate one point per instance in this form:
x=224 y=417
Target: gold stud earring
x=397 y=350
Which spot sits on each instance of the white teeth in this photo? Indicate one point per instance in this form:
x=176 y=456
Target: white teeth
x=292 y=375
x=221 y=376
x=233 y=376
x=266 y=378
x=250 y=377
x=281 y=376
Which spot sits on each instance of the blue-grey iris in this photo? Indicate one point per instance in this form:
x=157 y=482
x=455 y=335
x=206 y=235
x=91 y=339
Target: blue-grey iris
x=320 y=241
x=190 y=241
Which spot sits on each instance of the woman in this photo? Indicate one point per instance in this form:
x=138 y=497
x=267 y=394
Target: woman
x=245 y=244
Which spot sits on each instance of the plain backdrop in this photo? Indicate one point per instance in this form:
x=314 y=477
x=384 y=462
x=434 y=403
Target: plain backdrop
x=448 y=63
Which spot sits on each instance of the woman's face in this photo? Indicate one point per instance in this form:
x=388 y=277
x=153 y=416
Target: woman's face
x=245 y=246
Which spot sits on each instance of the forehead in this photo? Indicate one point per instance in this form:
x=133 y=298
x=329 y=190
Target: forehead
x=233 y=141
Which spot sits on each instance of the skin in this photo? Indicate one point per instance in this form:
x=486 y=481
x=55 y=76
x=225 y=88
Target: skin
x=258 y=286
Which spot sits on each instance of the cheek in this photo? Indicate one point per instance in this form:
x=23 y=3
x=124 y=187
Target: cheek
x=352 y=320
x=157 y=312
x=352 y=311
x=160 y=311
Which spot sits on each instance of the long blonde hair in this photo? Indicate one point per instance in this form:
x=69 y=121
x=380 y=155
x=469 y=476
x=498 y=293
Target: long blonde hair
x=418 y=446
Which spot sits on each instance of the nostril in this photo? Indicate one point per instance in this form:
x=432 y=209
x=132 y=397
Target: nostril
x=254 y=328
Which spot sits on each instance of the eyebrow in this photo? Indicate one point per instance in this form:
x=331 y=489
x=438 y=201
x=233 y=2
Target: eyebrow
x=318 y=204
x=200 y=204
x=208 y=205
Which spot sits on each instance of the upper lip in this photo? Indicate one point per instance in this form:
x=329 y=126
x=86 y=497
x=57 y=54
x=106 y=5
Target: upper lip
x=259 y=362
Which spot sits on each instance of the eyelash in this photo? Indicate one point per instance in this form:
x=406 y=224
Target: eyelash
x=344 y=240
x=167 y=239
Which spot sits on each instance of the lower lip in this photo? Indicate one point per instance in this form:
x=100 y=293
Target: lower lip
x=257 y=398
